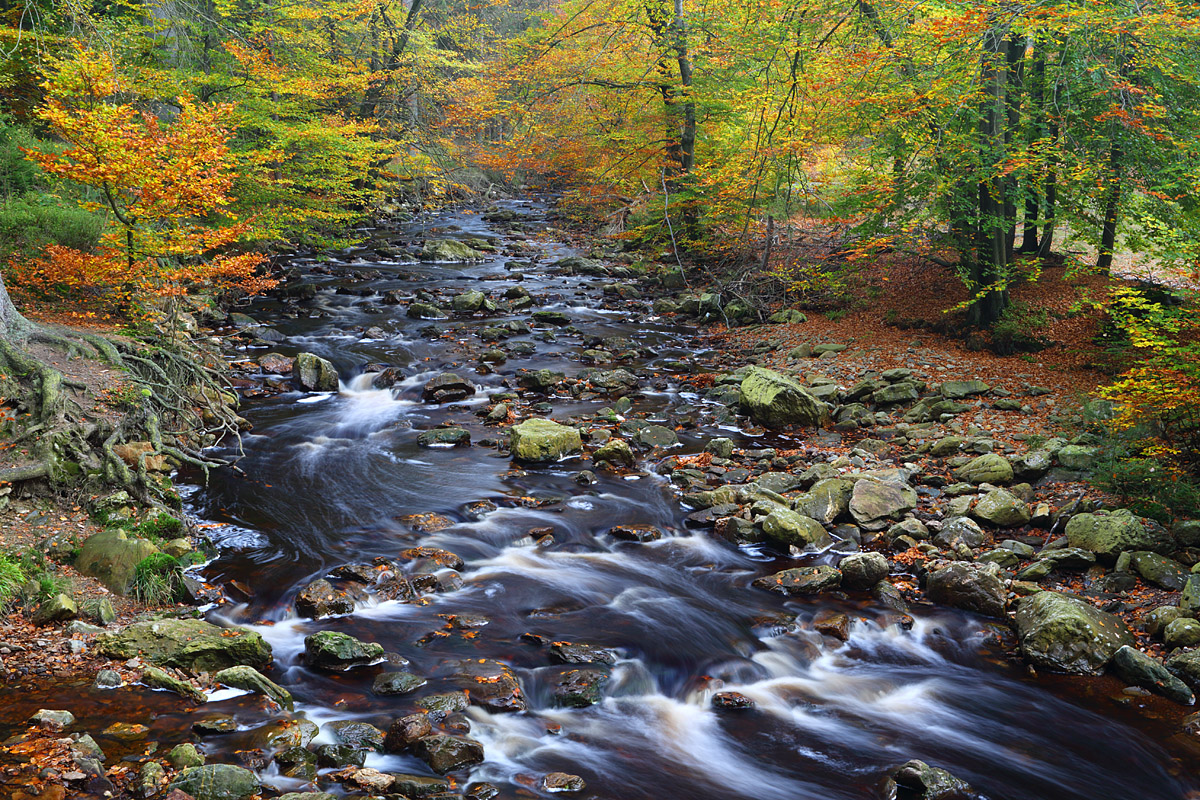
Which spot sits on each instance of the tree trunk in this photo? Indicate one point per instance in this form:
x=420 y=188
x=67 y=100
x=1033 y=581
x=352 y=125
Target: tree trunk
x=992 y=239
x=13 y=325
x=1112 y=207
x=1016 y=86
x=687 y=133
x=1037 y=131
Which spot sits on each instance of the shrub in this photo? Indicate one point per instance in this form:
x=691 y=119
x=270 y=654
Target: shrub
x=12 y=578
x=158 y=527
x=1149 y=487
x=158 y=580
x=27 y=227
x=1019 y=329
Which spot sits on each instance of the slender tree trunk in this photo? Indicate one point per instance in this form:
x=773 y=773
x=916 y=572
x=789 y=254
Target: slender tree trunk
x=1037 y=131
x=687 y=133
x=1112 y=208
x=1016 y=86
x=1050 y=209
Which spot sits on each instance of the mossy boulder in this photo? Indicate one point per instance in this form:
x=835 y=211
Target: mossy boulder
x=251 y=680
x=1065 y=634
x=542 y=440
x=777 y=401
x=334 y=651
x=112 y=558
x=314 y=374
x=450 y=251
x=1110 y=533
x=217 y=782
x=988 y=468
x=189 y=644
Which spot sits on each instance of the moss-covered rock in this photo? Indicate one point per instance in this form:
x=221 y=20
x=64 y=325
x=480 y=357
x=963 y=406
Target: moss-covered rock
x=1110 y=533
x=775 y=400
x=1066 y=634
x=112 y=558
x=542 y=440
x=189 y=644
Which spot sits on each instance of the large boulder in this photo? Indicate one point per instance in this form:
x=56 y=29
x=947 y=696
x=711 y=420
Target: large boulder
x=873 y=500
x=188 y=644
x=112 y=557
x=988 y=468
x=1066 y=634
x=314 y=374
x=543 y=440
x=331 y=650
x=1110 y=533
x=777 y=401
x=971 y=587
x=217 y=782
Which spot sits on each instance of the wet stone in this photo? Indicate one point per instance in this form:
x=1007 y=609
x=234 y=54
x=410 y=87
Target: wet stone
x=557 y=782
x=579 y=688
x=406 y=730
x=444 y=753
x=731 y=701
x=569 y=653
x=360 y=735
x=444 y=703
x=801 y=580
x=635 y=533
x=320 y=599
x=393 y=683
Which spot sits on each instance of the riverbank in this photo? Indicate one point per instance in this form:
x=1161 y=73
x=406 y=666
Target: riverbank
x=508 y=514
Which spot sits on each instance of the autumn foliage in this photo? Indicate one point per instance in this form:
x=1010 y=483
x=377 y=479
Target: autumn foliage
x=164 y=186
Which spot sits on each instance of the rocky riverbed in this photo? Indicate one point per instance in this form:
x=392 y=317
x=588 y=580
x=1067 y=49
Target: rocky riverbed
x=511 y=522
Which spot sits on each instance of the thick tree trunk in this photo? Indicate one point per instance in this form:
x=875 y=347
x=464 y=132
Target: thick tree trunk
x=13 y=325
x=991 y=256
x=1016 y=87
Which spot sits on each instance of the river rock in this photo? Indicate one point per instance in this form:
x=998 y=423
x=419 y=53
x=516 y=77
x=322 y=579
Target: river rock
x=217 y=782
x=786 y=527
x=357 y=734
x=1181 y=632
x=444 y=753
x=827 y=500
x=189 y=644
x=157 y=678
x=469 y=301
x=331 y=650
x=251 y=680
x=392 y=683
x=962 y=529
x=314 y=374
x=616 y=452
x=449 y=251
x=185 y=755
x=424 y=311
x=861 y=571
x=489 y=684
x=916 y=780
x=445 y=437
x=1001 y=508
x=112 y=557
x=1078 y=457
x=988 y=468
x=580 y=688
x=571 y=653
x=541 y=440
x=406 y=730
x=801 y=580
x=1110 y=533
x=657 y=436
x=1066 y=634
x=971 y=587
x=776 y=400
x=320 y=599
x=1138 y=669
x=556 y=782
x=55 y=719
x=872 y=500
x=449 y=387
x=1163 y=572
x=957 y=390
x=59 y=608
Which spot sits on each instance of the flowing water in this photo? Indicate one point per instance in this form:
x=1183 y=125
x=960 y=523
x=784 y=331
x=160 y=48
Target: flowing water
x=327 y=479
